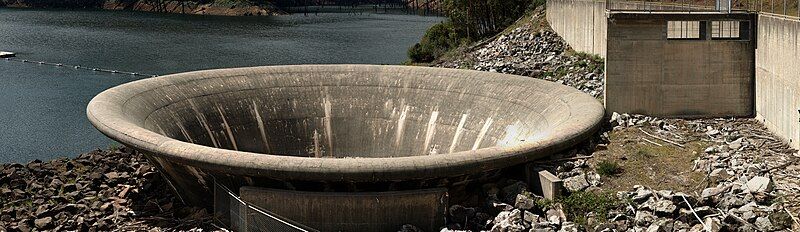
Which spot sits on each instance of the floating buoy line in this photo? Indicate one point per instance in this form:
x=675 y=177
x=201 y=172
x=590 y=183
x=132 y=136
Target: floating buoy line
x=79 y=67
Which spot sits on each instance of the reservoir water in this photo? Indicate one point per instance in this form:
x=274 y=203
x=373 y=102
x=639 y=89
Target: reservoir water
x=42 y=108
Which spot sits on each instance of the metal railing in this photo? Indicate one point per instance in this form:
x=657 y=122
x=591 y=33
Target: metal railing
x=779 y=7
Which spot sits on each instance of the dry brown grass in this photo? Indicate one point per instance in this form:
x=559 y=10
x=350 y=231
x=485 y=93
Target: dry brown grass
x=643 y=163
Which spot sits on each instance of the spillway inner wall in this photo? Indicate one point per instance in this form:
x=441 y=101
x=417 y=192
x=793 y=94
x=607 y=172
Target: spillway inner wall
x=341 y=112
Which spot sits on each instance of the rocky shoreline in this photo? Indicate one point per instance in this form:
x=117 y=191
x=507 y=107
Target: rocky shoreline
x=103 y=190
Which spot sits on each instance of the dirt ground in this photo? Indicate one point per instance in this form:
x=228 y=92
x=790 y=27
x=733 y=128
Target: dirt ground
x=649 y=162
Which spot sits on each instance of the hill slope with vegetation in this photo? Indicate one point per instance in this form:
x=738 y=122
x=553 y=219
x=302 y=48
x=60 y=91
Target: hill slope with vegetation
x=209 y=7
x=467 y=22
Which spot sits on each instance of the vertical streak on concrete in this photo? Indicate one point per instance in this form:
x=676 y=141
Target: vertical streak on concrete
x=485 y=129
x=181 y=128
x=161 y=130
x=328 y=127
x=430 y=131
x=227 y=128
x=457 y=136
x=203 y=122
x=317 y=152
x=401 y=123
x=261 y=128
x=184 y=132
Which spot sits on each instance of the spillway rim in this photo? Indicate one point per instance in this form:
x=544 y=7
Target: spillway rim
x=105 y=113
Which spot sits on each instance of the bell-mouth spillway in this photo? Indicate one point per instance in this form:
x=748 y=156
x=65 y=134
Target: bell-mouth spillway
x=273 y=125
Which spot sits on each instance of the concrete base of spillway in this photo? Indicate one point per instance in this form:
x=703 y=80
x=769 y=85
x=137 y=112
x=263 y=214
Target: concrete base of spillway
x=363 y=211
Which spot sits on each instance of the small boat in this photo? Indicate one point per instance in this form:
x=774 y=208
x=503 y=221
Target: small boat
x=7 y=54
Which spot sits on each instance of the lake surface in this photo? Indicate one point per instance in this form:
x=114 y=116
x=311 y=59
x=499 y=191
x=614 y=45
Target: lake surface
x=43 y=108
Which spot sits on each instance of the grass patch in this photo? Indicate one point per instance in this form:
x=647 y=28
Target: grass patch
x=644 y=163
x=594 y=63
x=608 y=168
x=643 y=153
x=114 y=146
x=593 y=57
x=579 y=204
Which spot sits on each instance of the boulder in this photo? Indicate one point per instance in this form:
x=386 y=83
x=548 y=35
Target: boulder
x=43 y=223
x=568 y=227
x=509 y=221
x=712 y=224
x=764 y=224
x=759 y=184
x=664 y=208
x=576 y=183
x=524 y=202
x=643 y=218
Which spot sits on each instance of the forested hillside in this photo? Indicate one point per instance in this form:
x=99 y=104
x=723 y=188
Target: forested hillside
x=468 y=21
x=204 y=7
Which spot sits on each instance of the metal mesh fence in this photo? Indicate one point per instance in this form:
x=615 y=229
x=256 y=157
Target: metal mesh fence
x=241 y=216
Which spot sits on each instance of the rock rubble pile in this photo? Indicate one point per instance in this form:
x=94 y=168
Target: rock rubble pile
x=752 y=176
x=743 y=165
x=97 y=191
x=535 y=52
x=751 y=183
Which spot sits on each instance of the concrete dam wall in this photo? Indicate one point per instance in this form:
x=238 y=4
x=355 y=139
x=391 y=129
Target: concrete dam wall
x=778 y=75
x=647 y=72
x=583 y=23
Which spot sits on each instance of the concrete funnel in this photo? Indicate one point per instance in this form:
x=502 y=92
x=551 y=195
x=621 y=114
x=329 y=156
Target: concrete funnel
x=341 y=127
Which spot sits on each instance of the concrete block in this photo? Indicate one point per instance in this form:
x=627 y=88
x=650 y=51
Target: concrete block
x=532 y=178
x=550 y=184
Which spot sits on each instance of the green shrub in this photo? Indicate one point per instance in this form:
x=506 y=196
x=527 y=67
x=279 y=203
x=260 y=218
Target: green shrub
x=467 y=21
x=578 y=204
x=437 y=41
x=608 y=168
x=643 y=153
